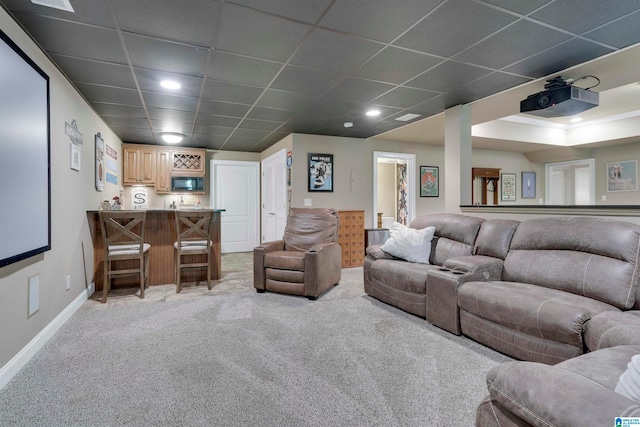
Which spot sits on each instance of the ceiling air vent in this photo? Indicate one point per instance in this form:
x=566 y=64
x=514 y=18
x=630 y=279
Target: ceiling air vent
x=56 y=4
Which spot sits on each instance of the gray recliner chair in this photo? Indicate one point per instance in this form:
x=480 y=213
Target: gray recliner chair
x=307 y=261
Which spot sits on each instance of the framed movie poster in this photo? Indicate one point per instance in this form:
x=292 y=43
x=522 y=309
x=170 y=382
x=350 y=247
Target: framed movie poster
x=508 y=187
x=99 y=162
x=429 y=181
x=528 y=185
x=320 y=172
x=622 y=176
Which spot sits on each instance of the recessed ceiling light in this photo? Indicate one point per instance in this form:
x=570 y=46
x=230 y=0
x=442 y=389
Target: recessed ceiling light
x=407 y=117
x=170 y=84
x=348 y=124
x=373 y=113
x=172 y=137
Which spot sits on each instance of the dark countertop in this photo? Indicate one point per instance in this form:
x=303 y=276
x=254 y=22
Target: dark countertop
x=167 y=210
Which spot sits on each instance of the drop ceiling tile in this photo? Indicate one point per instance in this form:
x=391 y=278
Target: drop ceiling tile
x=240 y=69
x=329 y=106
x=89 y=71
x=579 y=16
x=358 y=90
x=97 y=93
x=565 y=55
x=165 y=19
x=523 y=7
x=258 y=34
x=268 y=142
x=395 y=65
x=211 y=142
x=440 y=33
x=230 y=92
x=301 y=10
x=379 y=20
x=270 y=114
x=371 y=130
x=149 y=80
x=512 y=44
x=217 y=131
x=159 y=55
x=259 y=124
x=405 y=97
x=239 y=144
x=493 y=83
x=94 y=12
x=448 y=75
x=430 y=107
x=210 y=120
x=329 y=51
x=285 y=100
x=172 y=102
x=171 y=115
x=118 y=110
x=220 y=108
x=253 y=134
x=126 y=122
x=167 y=126
x=306 y=80
x=310 y=121
x=140 y=136
x=621 y=33
x=72 y=39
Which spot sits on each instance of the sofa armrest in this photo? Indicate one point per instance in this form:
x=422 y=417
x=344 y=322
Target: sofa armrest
x=545 y=395
x=479 y=267
x=377 y=253
x=322 y=268
x=259 y=277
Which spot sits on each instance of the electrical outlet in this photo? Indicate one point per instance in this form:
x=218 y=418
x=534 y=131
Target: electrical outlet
x=603 y=198
x=68 y=282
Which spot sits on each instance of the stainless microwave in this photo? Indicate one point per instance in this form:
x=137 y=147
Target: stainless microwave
x=187 y=183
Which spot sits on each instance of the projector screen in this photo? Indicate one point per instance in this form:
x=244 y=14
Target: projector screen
x=25 y=179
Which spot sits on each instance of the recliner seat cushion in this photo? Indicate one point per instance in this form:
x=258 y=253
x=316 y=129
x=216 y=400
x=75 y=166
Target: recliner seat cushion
x=285 y=260
x=530 y=309
x=405 y=276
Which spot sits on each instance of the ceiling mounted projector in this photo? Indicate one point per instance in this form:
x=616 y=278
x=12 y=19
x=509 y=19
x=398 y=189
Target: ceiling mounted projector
x=560 y=98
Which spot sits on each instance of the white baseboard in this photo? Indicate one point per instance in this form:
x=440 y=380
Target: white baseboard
x=8 y=371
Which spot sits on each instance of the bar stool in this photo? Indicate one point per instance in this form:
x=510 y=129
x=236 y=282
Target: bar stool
x=123 y=238
x=194 y=238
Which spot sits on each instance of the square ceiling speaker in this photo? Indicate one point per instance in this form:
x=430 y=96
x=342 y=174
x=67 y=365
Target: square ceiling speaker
x=56 y=4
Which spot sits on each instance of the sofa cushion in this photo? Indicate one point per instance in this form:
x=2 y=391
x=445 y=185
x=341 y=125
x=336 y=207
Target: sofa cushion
x=495 y=237
x=612 y=328
x=309 y=226
x=409 y=244
x=592 y=257
x=533 y=310
x=405 y=276
x=286 y=260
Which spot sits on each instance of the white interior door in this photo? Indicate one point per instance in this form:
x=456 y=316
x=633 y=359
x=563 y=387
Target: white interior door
x=234 y=187
x=274 y=196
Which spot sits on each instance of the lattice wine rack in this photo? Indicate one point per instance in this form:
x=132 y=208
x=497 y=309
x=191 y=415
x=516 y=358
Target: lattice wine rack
x=187 y=161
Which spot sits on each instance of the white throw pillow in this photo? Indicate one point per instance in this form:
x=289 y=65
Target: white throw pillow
x=409 y=244
x=629 y=383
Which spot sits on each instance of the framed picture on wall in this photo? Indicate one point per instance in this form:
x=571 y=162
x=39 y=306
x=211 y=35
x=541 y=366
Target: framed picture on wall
x=528 y=185
x=508 y=187
x=99 y=162
x=429 y=181
x=75 y=157
x=320 y=172
x=622 y=176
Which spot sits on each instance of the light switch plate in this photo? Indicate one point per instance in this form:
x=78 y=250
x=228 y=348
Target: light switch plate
x=307 y=202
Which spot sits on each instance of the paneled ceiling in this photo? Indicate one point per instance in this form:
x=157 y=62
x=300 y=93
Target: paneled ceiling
x=253 y=71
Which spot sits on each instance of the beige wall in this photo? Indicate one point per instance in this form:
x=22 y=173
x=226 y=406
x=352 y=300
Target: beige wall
x=72 y=194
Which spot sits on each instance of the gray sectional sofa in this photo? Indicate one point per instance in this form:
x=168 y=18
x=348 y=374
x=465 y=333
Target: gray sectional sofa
x=544 y=291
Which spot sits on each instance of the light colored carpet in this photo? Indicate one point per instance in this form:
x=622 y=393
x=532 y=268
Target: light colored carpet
x=231 y=357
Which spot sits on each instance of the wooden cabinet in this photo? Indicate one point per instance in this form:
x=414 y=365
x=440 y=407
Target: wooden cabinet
x=139 y=165
x=163 y=171
x=351 y=238
x=187 y=162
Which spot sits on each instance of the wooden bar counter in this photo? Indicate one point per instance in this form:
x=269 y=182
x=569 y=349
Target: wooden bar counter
x=160 y=233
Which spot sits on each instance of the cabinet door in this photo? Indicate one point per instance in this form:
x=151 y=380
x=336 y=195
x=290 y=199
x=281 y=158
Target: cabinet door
x=130 y=166
x=163 y=168
x=344 y=239
x=147 y=168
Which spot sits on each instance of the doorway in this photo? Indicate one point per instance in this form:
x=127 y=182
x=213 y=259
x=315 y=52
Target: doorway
x=394 y=188
x=571 y=183
x=274 y=196
x=234 y=188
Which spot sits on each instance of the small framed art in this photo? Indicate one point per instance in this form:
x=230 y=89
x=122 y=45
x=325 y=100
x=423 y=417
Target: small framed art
x=508 y=187
x=429 y=181
x=320 y=172
x=75 y=157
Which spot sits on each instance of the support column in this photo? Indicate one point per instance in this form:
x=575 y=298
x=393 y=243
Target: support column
x=457 y=157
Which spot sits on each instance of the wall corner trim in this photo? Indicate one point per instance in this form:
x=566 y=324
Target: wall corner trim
x=8 y=371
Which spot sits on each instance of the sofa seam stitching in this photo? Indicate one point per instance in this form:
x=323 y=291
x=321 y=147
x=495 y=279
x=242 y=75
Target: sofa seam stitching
x=635 y=270
x=584 y=276
x=519 y=404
